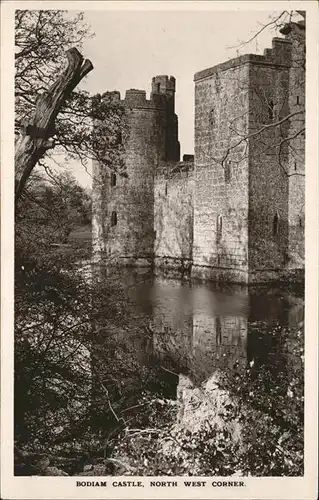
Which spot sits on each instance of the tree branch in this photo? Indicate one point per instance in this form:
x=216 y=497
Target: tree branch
x=34 y=139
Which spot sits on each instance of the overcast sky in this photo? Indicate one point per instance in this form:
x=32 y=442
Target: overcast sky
x=129 y=48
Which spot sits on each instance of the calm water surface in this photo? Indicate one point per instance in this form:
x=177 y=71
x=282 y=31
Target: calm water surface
x=201 y=327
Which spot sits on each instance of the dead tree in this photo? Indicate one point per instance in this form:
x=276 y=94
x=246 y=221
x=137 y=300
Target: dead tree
x=36 y=136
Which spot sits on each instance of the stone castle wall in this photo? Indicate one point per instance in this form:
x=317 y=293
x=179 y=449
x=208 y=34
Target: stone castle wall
x=276 y=180
x=128 y=229
x=268 y=180
x=245 y=199
x=173 y=215
x=237 y=212
x=221 y=201
x=296 y=152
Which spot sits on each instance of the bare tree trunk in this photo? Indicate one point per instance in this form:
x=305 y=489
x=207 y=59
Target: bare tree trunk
x=34 y=139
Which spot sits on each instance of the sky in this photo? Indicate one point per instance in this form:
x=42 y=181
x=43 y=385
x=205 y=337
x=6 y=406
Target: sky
x=130 y=47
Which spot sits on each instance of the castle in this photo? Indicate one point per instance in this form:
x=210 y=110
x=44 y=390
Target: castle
x=235 y=210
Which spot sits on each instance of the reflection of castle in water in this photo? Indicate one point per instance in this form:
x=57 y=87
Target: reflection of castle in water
x=199 y=328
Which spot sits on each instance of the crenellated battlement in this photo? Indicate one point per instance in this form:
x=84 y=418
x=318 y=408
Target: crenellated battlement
x=159 y=109
x=112 y=96
x=279 y=55
x=163 y=84
x=162 y=97
x=136 y=99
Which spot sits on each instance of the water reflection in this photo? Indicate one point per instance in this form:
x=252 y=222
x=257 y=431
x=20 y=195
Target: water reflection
x=201 y=327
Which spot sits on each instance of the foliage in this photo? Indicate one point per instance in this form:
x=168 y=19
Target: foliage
x=92 y=398
x=42 y=38
x=266 y=403
x=51 y=331
x=76 y=374
x=53 y=207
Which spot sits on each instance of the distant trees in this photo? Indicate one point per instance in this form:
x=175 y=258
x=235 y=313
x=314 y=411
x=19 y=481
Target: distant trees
x=53 y=207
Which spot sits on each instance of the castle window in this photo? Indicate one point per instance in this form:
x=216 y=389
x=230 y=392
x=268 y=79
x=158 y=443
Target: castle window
x=158 y=87
x=227 y=172
x=219 y=228
x=286 y=258
x=211 y=117
x=271 y=110
x=113 y=179
x=298 y=102
x=275 y=224
x=119 y=137
x=295 y=166
x=165 y=188
x=300 y=221
x=218 y=331
x=113 y=219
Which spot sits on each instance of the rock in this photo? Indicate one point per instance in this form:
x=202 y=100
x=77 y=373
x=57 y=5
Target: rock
x=95 y=470
x=87 y=468
x=42 y=464
x=200 y=407
x=110 y=466
x=54 y=471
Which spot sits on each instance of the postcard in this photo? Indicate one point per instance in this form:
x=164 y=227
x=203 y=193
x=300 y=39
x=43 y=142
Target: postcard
x=159 y=250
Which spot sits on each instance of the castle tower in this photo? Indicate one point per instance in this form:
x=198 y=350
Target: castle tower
x=123 y=206
x=244 y=204
x=295 y=33
x=165 y=85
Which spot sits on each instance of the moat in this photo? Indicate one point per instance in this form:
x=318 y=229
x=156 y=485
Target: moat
x=195 y=328
x=196 y=358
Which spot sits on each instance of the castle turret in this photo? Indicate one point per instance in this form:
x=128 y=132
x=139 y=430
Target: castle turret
x=164 y=85
x=126 y=203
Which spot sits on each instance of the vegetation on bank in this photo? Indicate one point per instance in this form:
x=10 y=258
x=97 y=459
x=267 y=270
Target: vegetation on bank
x=92 y=398
x=247 y=422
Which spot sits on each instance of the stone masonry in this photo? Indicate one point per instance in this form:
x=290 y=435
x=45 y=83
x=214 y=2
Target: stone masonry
x=234 y=211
